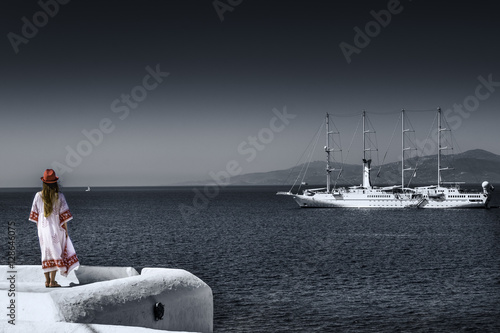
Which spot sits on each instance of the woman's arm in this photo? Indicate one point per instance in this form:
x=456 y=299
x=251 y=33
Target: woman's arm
x=65 y=227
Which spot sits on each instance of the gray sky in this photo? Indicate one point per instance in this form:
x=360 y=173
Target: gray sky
x=225 y=78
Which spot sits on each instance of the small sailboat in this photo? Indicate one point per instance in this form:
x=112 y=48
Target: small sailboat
x=88 y=189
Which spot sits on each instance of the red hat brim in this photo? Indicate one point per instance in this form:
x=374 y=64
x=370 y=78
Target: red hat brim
x=49 y=181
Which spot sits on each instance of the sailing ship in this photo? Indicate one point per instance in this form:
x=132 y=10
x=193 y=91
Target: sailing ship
x=442 y=195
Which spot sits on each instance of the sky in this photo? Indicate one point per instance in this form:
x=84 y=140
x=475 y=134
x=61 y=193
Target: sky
x=156 y=93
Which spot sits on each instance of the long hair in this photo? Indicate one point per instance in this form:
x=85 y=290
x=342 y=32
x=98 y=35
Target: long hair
x=50 y=197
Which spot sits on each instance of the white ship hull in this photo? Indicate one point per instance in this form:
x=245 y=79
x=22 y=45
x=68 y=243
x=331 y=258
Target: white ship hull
x=354 y=200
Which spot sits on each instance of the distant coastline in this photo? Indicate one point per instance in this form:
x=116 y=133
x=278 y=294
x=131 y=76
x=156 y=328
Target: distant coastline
x=471 y=167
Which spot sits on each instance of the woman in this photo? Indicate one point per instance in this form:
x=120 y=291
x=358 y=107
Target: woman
x=51 y=212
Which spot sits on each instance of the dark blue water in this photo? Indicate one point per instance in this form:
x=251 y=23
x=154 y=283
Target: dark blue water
x=274 y=267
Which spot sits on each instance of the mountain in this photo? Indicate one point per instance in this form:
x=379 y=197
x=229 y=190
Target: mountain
x=472 y=167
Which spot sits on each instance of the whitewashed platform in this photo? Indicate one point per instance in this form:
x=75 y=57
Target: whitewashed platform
x=107 y=299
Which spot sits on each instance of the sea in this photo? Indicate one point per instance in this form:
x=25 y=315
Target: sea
x=275 y=267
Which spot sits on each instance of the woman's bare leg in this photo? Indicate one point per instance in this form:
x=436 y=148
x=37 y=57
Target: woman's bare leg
x=53 y=278
x=47 y=279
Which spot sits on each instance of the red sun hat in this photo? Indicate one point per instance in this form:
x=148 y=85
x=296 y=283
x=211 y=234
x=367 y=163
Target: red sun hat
x=49 y=176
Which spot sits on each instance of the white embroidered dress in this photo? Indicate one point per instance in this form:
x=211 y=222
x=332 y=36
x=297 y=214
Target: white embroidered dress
x=57 y=250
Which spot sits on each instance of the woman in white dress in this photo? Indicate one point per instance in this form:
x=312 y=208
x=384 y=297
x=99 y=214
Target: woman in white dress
x=51 y=212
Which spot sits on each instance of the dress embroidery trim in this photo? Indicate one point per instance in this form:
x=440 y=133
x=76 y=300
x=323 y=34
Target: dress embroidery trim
x=64 y=216
x=60 y=263
x=34 y=216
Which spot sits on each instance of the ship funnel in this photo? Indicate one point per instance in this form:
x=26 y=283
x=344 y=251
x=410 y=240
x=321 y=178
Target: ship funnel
x=366 y=173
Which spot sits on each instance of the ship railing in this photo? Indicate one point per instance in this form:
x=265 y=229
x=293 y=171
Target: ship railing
x=322 y=189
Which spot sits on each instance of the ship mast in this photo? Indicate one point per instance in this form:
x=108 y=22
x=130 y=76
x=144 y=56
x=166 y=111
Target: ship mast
x=364 y=136
x=403 y=149
x=439 y=146
x=327 y=149
x=366 y=163
x=440 y=129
